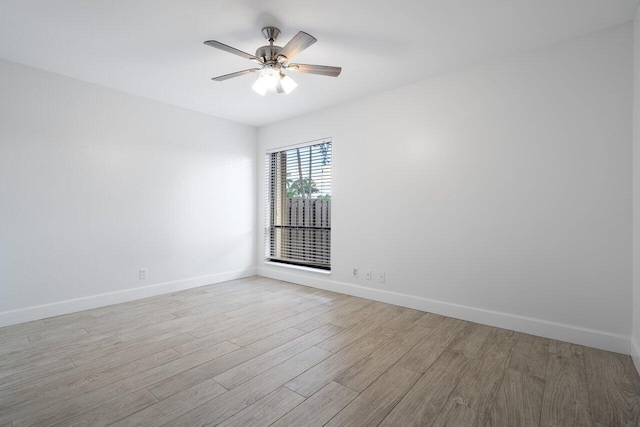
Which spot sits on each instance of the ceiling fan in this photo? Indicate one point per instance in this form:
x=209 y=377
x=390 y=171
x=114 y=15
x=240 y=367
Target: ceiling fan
x=274 y=60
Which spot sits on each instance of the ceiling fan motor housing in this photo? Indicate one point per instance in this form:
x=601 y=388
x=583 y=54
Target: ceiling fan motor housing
x=268 y=53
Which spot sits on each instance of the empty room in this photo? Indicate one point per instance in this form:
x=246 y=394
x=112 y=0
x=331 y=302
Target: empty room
x=340 y=213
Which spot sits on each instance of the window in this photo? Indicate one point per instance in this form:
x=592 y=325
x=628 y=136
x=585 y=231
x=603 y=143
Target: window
x=298 y=212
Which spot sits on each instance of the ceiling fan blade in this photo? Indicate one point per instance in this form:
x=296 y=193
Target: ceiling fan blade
x=230 y=49
x=236 y=74
x=297 y=44
x=323 y=70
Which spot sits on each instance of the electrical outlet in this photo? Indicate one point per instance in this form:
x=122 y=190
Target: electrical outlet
x=367 y=274
x=381 y=277
x=355 y=273
x=143 y=273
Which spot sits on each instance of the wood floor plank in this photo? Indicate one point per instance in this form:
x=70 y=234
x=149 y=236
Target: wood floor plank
x=89 y=400
x=375 y=403
x=612 y=397
x=113 y=411
x=35 y=356
x=426 y=399
x=317 y=377
x=134 y=352
x=179 y=325
x=363 y=313
x=566 y=349
x=470 y=340
x=230 y=403
x=404 y=320
x=308 y=305
x=565 y=400
x=174 y=406
x=360 y=329
x=57 y=335
x=134 y=320
x=264 y=307
x=339 y=302
x=365 y=372
x=281 y=325
x=13 y=352
x=423 y=354
x=332 y=315
x=267 y=410
x=228 y=361
x=519 y=401
x=212 y=299
x=26 y=402
x=99 y=359
x=22 y=329
x=530 y=356
x=14 y=345
x=90 y=354
x=232 y=328
x=237 y=293
x=36 y=372
x=430 y=320
x=178 y=383
x=456 y=414
x=65 y=319
x=16 y=340
x=319 y=408
x=211 y=307
x=479 y=386
x=251 y=368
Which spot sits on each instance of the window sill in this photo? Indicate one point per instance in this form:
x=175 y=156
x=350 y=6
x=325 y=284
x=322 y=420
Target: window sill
x=298 y=267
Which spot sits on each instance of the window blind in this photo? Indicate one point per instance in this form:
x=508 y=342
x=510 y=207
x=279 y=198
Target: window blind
x=298 y=208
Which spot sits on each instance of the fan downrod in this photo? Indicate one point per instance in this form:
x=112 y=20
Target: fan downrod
x=269 y=53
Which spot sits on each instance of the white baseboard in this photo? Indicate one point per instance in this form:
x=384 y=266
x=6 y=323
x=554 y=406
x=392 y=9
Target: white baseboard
x=71 y=306
x=635 y=353
x=559 y=331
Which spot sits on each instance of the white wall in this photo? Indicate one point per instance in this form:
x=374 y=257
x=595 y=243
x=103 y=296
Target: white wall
x=499 y=194
x=635 y=342
x=95 y=184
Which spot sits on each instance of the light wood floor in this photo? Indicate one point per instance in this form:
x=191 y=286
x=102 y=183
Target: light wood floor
x=261 y=352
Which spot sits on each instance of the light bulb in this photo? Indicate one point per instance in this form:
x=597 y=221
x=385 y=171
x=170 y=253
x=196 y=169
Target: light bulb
x=287 y=84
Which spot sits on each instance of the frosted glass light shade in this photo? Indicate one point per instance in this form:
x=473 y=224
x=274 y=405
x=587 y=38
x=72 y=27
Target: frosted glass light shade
x=287 y=84
x=260 y=86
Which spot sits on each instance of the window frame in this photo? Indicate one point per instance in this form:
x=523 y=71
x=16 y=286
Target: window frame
x=275 y=212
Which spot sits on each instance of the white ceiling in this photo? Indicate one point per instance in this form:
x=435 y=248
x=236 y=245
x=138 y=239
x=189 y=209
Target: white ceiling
x=153 y=48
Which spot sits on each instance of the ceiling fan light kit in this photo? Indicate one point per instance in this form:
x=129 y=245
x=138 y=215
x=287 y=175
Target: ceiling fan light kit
x=274 y=60
x=273 y=79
